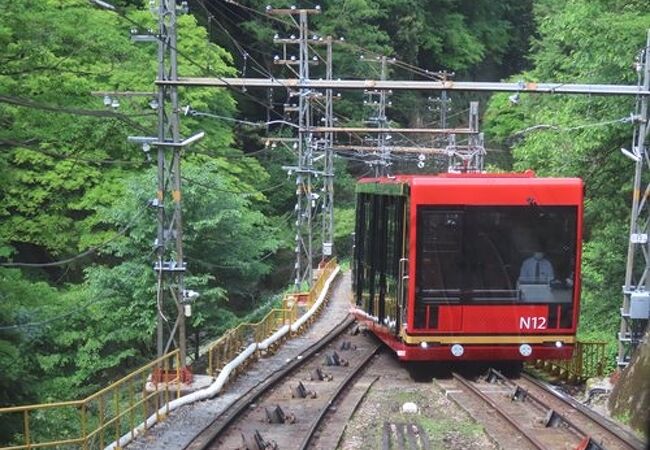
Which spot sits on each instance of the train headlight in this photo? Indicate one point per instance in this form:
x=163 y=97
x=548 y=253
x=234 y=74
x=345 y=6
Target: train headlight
x=424 y=345
x=558 y=344
x=457 y=350
x=525 y=350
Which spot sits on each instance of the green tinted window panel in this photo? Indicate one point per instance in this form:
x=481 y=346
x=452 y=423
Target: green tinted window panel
x=383 y=188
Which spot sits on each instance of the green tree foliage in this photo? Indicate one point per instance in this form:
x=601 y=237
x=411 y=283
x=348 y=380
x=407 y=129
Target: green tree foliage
x=583 y=42
x=71 y=182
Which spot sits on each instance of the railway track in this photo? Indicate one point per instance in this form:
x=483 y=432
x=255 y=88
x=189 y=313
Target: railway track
x=524 y=413
x=304 y=405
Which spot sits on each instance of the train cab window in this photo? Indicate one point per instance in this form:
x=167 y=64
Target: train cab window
x=491 y=254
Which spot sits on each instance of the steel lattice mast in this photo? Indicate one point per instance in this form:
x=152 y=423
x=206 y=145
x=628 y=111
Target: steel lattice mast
x=304 y=171
x=636 y=291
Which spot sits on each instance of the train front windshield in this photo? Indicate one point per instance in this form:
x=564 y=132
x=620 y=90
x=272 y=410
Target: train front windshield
x=493 y=254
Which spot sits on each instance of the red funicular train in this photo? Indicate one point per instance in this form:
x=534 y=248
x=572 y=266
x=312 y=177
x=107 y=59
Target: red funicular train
x=469 y=267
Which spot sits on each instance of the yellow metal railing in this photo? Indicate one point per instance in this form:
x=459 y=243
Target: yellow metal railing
x=99 y=419
x=118 y=409
x=588 y=361
x=228 y=346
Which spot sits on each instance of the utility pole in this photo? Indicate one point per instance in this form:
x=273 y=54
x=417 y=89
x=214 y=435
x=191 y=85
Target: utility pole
x=470 y=158
x=328 y=176
x=636 y=291
x=169 y=265
x=170 y=271
x=168 y=245
x=380 y=120
x=304 y=171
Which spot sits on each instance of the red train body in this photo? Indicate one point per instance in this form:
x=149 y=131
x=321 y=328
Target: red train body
x=469 y=267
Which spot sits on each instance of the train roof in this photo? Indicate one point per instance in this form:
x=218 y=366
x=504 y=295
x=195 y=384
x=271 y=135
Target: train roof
x=477 y=187
x=511 y=178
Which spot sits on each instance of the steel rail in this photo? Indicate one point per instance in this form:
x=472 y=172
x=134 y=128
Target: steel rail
x=613 y=429
x=211 y=432
x=526 y=434
x=344 y=384
x=520 y=87
x=542 y=405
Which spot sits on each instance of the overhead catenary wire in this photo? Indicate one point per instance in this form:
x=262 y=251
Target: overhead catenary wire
x=544 y=127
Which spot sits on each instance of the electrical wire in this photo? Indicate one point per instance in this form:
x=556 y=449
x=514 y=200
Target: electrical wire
x=98 y=162
x=228 y=191
x=206 y=69
x=28 y=103
x=222 y=266
x=403 y=64
x=539 y=127
x=83 y=254
x=56 y=318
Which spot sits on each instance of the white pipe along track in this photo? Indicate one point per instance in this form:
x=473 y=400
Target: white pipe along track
x=218 y=384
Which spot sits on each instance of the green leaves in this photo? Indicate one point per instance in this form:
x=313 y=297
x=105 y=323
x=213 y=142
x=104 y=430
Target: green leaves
x=582 y=42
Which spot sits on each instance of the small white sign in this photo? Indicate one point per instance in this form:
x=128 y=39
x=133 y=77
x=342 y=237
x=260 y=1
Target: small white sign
x=639 y=238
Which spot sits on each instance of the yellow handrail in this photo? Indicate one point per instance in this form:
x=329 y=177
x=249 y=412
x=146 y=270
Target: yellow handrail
x=101 y=417
x=114 y=411
x=233 y=341
x=588 y=361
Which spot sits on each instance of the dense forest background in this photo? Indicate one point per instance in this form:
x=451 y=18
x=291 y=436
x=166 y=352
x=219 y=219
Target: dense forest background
x=77 y=292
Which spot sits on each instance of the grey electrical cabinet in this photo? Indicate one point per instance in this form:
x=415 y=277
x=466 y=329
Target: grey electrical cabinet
x=640 y=305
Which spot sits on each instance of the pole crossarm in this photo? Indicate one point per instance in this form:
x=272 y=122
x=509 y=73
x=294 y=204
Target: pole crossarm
x=394 y=149
x=292 y=11
x=530 y=87
x=392 y=130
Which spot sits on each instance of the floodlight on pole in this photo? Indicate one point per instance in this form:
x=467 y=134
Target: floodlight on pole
x=631 y=155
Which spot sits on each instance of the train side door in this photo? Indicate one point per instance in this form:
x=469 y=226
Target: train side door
x=401 y=243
